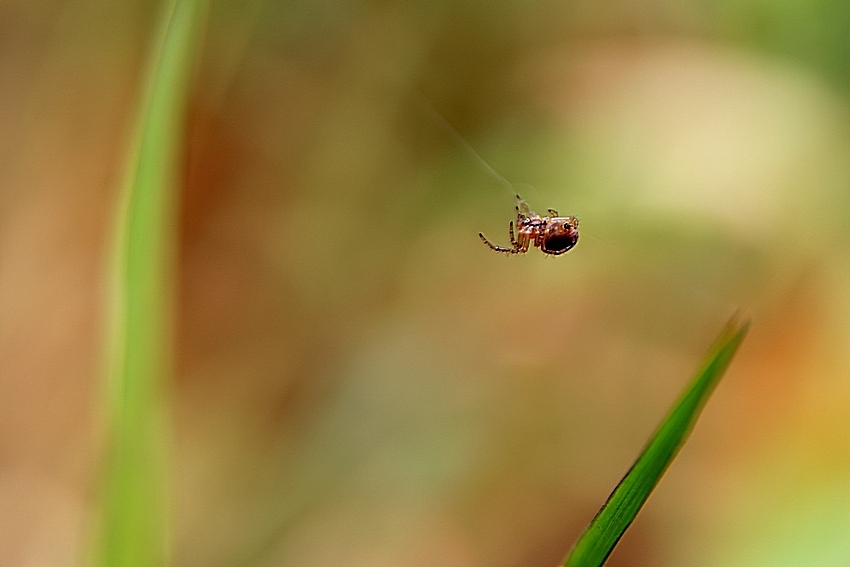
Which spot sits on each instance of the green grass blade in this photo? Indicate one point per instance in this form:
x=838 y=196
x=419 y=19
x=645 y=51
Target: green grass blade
x=596 y=543
x=133 y=526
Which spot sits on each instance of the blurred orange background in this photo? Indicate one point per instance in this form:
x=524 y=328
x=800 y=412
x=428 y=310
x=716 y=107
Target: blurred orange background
x=360 y=381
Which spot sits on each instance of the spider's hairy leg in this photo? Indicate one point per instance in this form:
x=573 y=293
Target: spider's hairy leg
x=523 y=211
x=497 y=248
x=523 y=241
x=520 y=212
x=538 y=239
x=511 y=232
x=553 y=212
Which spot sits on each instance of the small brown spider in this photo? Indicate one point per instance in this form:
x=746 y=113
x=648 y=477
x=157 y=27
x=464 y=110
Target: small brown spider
x=552 y=234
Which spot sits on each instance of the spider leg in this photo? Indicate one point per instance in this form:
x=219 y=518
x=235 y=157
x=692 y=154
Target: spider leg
x=522 y=208
x=553 y=212
x=497 y=248
x=540 y=240
x=511 y=232
x=523 y=240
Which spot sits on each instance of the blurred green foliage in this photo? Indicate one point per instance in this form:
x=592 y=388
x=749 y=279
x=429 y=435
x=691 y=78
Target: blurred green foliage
x=135 y=522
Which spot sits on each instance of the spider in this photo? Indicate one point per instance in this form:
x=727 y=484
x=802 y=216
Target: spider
x=552 y=234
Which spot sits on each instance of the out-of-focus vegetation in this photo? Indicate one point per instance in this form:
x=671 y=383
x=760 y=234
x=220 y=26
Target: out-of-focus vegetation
x=133 y=525
x=359 y=380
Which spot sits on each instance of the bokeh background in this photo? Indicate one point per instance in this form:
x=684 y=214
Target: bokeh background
x=359 y=380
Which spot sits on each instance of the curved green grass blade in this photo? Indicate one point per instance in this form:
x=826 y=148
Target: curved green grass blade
x=598 y=541
x=133 y=523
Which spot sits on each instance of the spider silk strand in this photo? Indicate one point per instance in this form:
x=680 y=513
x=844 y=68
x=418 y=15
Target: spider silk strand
x=464 y=144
